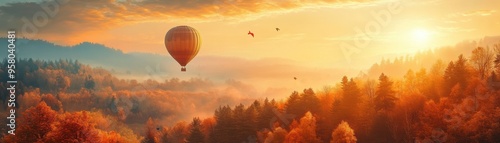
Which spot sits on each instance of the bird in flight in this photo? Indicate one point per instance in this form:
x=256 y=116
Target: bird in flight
x=277 y=29
x=250 y=33
x=295 y=78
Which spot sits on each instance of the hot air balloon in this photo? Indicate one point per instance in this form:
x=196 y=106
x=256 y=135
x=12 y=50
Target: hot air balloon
x=183 y=43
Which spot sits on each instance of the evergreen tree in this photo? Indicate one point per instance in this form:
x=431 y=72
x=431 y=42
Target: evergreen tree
x=456 y=73
x=224 y=128
x=195 y=135
x=385 y=99
x=345 y=108
x=265 y=115
x=293 y=103
x=300 y=104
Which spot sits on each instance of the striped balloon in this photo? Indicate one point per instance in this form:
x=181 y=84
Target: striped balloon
x=183 y=43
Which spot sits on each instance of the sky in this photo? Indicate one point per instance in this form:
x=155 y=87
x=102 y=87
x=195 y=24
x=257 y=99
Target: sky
x=320 y=34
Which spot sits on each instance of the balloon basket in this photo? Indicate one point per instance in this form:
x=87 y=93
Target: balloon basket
x=183 y=69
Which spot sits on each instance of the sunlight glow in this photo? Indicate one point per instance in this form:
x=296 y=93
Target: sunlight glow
x=421 y=36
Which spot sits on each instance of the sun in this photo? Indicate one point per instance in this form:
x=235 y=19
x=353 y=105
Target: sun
x=420 y=36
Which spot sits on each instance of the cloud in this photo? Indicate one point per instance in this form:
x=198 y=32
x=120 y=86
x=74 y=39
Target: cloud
x=458 y=21
x=473 y=13
x=479 y=13
x=86 y=16
x=455 y=29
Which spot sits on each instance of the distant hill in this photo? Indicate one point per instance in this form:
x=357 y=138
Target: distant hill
x=90 y=53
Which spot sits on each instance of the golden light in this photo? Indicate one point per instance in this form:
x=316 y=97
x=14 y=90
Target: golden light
x=421 y=36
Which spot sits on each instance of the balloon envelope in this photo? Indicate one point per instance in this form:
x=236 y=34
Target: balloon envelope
x=183 y=43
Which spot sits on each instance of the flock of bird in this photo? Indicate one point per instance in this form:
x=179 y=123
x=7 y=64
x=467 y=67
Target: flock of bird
x=250 y=33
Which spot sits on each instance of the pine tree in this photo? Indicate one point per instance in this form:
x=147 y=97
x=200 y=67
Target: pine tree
x=224 y=128
x=240 y=127
x=385 y=99
x=345 y=107
x=265 y=115
x=309 y=102
x=456 y=73
x=293 y=103
x=195 y=134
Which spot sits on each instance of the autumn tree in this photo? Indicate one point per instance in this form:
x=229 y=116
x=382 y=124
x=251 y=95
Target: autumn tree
x=343 y=134
x=308 y=128
x=74 y=128
x=179 y=132
x=151 y=132
x=195 y=134
x=385 y=98
x=432 y=120
x=294 y=137
x=35 y=123
x=278 y=135
x=53 y=102
x=111 y=137
x=305 y=131
x=63 y=82
x=482 y=59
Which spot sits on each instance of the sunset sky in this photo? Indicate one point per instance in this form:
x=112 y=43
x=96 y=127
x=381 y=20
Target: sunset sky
x=311 y=33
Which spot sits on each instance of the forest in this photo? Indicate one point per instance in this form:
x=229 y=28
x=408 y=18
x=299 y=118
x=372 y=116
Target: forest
x=454 y=100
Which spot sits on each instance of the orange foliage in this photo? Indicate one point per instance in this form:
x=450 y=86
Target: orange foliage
x=294 y=137
x=111 y=137
x=305 y=132
x=53 y=102
x=74 y=128
x=35 y=124
x=343 y=134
